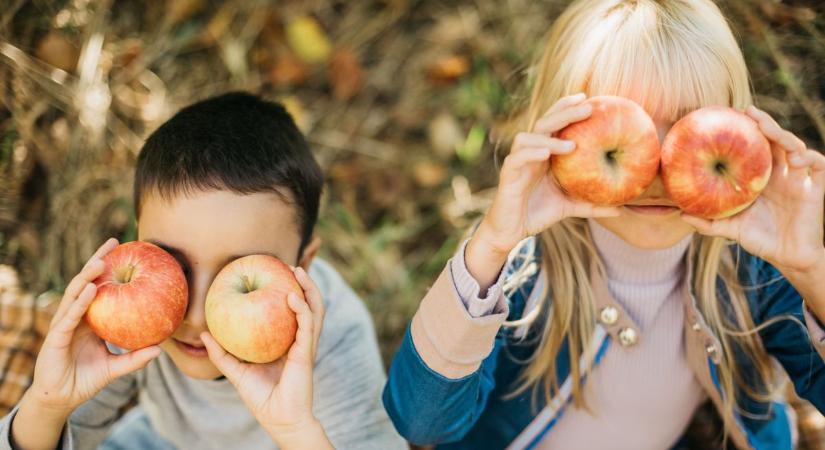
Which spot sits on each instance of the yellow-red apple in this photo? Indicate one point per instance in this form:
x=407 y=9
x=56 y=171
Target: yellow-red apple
x=141 y=296
x=247 y=311
x=616 y=156
x=715 y=162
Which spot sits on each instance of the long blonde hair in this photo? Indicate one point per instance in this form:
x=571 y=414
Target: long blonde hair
x=671 y=57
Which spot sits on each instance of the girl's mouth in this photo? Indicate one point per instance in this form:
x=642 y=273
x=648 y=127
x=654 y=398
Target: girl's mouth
x=653 y=210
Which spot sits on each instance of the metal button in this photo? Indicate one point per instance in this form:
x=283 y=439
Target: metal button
x=696 y=326
x=711 y=349
x=627 y=337
x=609 y=315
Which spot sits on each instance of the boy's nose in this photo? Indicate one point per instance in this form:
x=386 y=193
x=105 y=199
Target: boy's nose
x=196 y=312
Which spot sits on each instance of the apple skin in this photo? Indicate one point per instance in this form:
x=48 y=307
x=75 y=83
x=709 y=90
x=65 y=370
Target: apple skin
x=247 y=310
x=715 y=162
x=616 y=156
x=141 y=296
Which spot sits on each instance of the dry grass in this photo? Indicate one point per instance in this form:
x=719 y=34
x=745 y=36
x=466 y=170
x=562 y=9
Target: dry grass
x=402 y=123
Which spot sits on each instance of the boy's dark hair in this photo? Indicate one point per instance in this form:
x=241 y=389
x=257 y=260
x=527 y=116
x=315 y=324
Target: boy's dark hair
x=236 y=142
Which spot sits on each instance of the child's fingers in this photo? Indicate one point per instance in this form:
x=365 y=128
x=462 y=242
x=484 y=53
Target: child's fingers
x=120 y=365
x=230 y=366
x=89 y=273
x=789 y=141
x=314 y=300
x=720 y=228
x=808 y=158
x=566 y=102
x=104 y=248
x=588 y=210
x=515 y=161
x=302 y=350
x=64 y=328
x=525 y=140
x=311 y=291
x=560 y=119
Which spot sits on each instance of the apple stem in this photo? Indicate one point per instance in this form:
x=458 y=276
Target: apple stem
x=248 y=283
x=124 y=274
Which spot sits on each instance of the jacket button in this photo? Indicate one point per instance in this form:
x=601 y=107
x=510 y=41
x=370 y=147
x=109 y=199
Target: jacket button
x=711 y=349
x=696 y=326
x=627 y=337
x=609 y=315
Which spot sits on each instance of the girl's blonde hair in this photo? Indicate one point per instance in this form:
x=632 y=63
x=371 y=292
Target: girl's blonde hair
x=671 y=57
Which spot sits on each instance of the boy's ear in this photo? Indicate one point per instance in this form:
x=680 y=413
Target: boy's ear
x=309 y=253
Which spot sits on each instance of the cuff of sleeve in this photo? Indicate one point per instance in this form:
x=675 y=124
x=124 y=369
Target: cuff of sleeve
x=815 y=330
x=448 y=339
x=5 y=433
x=478 y=305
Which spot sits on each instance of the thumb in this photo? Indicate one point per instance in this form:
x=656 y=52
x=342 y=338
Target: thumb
x=230 y=366
x=120 y=365
x=722 y=227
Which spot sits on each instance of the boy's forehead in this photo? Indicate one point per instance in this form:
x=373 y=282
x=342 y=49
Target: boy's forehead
x=216 y=224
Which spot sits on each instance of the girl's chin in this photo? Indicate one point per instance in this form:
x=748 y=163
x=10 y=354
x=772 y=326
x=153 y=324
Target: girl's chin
x=648 y=232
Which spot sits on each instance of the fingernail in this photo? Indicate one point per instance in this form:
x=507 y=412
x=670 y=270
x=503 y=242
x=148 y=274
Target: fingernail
x=579 y=95
x=568 y=145
x=586 y=108
x=795 y=159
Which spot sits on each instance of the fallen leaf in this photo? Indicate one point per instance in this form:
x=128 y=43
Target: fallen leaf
x=56 y=50
x=447 y=69
x=296 y=109
x=472 y=145
x=445 y=134
x=288 y=70
x=308 y=40
x=345 y=74
x=178 y=11
x=429 y=173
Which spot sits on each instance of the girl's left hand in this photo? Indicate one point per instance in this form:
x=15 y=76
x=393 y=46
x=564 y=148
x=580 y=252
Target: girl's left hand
x=784 y=225
x=279 y=394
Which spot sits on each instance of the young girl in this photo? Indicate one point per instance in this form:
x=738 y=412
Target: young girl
x=606 y=327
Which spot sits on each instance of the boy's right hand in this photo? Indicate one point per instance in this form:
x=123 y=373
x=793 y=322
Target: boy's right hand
x=528 y=200
x=74 y=364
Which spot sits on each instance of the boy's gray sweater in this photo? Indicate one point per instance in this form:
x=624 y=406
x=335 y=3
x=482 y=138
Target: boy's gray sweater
x=209 y=414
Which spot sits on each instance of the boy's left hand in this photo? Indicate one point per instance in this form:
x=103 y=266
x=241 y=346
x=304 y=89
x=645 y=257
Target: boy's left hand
x=279 y=394
x=784 y=226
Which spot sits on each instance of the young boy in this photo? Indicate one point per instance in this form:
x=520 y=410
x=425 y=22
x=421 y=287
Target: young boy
x=223 y=178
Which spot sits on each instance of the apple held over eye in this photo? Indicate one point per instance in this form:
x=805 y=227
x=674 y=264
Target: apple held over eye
x=715 y=162
x=141 y=296
x=247 y=311
x=616 y=156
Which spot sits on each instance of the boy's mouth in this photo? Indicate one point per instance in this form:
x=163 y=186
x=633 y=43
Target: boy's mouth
x=193 y=349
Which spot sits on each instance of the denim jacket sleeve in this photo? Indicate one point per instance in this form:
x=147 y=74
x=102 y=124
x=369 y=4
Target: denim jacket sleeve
x=445 y=370
x=788 y=339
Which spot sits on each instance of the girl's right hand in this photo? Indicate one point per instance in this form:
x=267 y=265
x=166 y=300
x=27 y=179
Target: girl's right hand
x=74 y=364
x=528 y=200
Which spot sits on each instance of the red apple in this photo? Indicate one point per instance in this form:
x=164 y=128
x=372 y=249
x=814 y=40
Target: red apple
x=715 y=162
x=141 y=296
x=246 y=308
x=616 y=156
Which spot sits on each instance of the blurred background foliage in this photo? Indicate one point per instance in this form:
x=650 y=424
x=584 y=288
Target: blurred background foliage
x=405 y=103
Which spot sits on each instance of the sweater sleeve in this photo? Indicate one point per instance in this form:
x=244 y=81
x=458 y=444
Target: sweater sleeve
x=469 y=291
x=443 y=373
x=793 y=344
x=90 y=422
x=349 y=374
